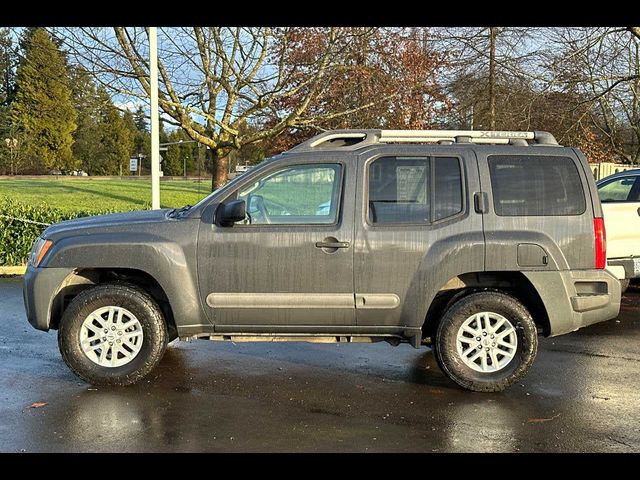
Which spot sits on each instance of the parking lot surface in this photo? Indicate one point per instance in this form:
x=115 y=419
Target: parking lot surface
x=582 y=395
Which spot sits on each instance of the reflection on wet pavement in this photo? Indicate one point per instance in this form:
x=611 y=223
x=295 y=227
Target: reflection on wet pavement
x=581 y=395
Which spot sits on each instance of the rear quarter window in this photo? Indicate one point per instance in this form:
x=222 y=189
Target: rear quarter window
x=528 y=185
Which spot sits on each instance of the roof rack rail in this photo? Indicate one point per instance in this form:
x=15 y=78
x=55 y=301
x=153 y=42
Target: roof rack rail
x=352 y=139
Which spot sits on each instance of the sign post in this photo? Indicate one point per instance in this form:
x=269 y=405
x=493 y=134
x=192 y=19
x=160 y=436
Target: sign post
x=133 y=164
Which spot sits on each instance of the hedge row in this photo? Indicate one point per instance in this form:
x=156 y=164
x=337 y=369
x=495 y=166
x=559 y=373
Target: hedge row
x=17 y=236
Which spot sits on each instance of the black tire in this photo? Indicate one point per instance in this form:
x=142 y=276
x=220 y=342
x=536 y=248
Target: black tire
x=450 y=360
x=138 y=302
x=624 y=284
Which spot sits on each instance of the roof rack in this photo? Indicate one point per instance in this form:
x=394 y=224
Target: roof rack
x=352 y=139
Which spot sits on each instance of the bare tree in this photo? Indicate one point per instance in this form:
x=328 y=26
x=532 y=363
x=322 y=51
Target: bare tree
x=492 y=78
x=395 y=66
x=603 y=65
x=213 y=80
x=487 y=57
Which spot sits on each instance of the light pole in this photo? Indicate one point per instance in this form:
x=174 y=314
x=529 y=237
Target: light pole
x=12 y=145
x=155 y=118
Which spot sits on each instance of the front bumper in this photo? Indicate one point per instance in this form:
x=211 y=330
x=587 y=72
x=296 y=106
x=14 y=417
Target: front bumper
x=40 y=290
x=577 y=298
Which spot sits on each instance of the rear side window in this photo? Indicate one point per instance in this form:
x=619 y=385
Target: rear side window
x=526 y=185
x=414 y=190
x=399 y=190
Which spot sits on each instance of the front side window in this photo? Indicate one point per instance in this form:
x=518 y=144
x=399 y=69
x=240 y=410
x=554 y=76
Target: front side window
x=298 y=194
x=531 y=185
x=620 y=190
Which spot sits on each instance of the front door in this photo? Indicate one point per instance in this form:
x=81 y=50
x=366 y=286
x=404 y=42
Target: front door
x=620 y=199
x=290 y=263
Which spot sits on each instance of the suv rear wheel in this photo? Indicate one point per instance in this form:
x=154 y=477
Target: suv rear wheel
x=486 y=341
x=112 y=334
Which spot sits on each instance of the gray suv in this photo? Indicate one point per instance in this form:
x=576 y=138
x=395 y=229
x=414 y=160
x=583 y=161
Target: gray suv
x=473 y=242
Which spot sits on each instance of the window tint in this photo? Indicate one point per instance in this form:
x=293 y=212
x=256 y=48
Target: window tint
x=448 y=187
x=414 y=190
x=398 y=190
x=535 y=185
x=300 y=194
x=619 y=190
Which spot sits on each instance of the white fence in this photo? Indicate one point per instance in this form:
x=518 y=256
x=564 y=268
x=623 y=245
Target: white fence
x=601 y=170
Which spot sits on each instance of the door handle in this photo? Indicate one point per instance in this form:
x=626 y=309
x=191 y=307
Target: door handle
x=336 y=244
x=331 y=244
x=480 y=202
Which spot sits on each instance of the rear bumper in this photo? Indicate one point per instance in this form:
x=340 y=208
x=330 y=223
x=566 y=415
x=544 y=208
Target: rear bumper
x=39 y=288
x=577 y=298
x=631 y=266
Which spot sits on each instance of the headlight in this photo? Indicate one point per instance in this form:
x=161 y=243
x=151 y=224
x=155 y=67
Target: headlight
x=39 y=250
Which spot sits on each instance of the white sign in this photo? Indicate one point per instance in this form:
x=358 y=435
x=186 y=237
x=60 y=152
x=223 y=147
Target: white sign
x=133 y=164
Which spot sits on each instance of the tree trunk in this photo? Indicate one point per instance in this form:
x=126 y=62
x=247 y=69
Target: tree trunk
x=220 y=161
x=492 y=78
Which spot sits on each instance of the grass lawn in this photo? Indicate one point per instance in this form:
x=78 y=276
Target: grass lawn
x=91 y=194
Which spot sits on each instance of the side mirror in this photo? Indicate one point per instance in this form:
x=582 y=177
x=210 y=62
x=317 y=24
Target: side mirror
x=230 y=213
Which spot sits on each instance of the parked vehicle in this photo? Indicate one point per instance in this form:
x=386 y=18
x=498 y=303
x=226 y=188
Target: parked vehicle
x=472 y=242
x=620 y=197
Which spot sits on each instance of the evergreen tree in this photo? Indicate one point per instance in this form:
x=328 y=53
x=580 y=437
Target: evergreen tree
x=116 y=140
x=8 y=60
x=9 y=142
x=162 y=136
x=140 y=119
x=43 y=108
x=180 y=155
x=142 y=140
x=104 y=140
x=143 y=144
x=130 y=125
x=87 y=137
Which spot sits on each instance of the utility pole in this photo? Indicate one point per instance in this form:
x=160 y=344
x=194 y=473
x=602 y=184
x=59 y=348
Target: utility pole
x=155 y=119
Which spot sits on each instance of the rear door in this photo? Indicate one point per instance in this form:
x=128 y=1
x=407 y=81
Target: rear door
x=620 y=199
x=415 y=229
x=539 y=215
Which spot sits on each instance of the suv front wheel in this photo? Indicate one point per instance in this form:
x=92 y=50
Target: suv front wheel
x=486 y=341
x=112 y=334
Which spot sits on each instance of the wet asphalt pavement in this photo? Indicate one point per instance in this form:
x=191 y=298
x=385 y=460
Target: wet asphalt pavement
x=582 y=395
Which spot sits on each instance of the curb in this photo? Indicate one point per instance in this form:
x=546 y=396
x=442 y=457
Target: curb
x=13 y=270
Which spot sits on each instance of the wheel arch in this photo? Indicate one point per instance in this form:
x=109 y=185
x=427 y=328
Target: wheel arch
x=81 y=279
x=513 y=283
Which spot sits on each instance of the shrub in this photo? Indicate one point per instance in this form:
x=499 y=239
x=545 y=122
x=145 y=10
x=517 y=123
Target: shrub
x=17 y=236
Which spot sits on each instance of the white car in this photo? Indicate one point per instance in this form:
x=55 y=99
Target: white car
x=620 y=197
